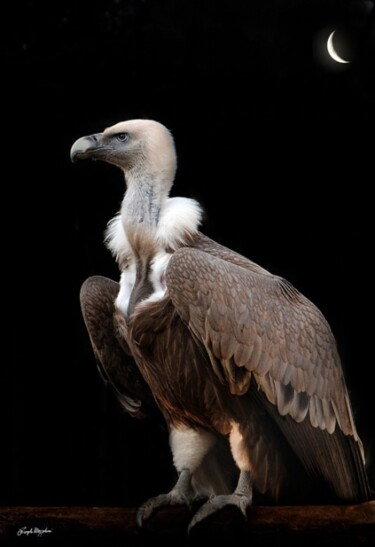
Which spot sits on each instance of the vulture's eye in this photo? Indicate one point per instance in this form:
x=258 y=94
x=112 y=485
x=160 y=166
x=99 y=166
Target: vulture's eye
x=122 y=137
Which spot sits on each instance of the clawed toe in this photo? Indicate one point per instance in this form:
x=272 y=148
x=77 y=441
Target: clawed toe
x=216 y=503
x=170 y=499
x=182 y=494
x=179 y=495
x=145 y=511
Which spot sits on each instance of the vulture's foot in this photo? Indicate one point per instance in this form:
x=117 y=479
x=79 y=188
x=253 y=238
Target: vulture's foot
x=181 y=494
x=242 y=498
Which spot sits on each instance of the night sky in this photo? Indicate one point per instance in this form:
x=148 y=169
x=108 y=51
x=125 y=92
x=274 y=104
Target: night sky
x=274 y=138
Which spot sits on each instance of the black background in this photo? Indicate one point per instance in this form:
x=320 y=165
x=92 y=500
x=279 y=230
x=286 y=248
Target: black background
x=273 y=138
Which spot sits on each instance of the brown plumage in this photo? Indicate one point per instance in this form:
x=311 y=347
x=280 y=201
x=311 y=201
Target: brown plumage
x=235 y=359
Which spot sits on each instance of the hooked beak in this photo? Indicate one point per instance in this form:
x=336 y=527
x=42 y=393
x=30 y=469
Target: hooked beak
x=89 y=147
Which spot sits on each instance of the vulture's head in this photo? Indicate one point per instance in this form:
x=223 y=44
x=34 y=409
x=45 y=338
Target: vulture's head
x=136 y=146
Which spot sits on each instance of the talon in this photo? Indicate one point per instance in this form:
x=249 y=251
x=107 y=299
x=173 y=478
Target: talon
x=146 y=510
x=187 y=501
x=140 y=518
x=243 y=505
x=179 y=495
x=217 y=503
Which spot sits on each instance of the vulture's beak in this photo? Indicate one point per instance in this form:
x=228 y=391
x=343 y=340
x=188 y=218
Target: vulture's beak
x=90 y=147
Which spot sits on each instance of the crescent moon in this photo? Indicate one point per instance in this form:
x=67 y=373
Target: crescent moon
x=331 y=50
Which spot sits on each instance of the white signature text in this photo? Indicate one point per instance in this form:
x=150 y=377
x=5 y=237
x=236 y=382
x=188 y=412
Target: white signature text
x=25 y=531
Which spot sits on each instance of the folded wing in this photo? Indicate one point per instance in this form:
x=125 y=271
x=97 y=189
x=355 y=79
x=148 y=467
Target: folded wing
x=256 y=327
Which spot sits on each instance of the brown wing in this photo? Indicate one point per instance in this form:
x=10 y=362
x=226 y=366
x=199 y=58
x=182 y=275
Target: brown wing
x=257 y=326
x=114 y=359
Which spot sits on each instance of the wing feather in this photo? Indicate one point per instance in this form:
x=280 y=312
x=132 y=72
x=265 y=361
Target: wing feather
x=269 y=328
x=116 y=364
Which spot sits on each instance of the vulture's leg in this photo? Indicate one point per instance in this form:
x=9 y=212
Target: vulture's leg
x=241 y=498
x=189 y=447
x=243 y=493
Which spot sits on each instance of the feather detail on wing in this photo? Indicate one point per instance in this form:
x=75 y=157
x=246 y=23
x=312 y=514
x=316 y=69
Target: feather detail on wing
x=261 y=333
x=116 y=365
x=253 y=323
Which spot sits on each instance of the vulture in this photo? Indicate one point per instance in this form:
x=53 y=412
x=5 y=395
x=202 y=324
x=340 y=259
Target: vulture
x=243 y=369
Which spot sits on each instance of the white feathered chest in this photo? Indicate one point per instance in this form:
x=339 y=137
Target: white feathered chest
x=178 y=222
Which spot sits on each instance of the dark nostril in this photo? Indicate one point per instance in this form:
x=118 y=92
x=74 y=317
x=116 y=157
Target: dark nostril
x=94 y=138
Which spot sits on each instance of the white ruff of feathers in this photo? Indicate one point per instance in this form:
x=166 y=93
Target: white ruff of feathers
x=179 y=220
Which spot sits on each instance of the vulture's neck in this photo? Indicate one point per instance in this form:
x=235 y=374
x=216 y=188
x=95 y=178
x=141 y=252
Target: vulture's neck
x=141 y=207
x=140 y=213
x=149 y=228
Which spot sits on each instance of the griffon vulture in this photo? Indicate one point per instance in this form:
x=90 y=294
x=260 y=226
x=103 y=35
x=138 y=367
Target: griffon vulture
x=234 y=358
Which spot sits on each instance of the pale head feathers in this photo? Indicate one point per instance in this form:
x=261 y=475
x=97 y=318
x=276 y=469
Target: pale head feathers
x=152 y=144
